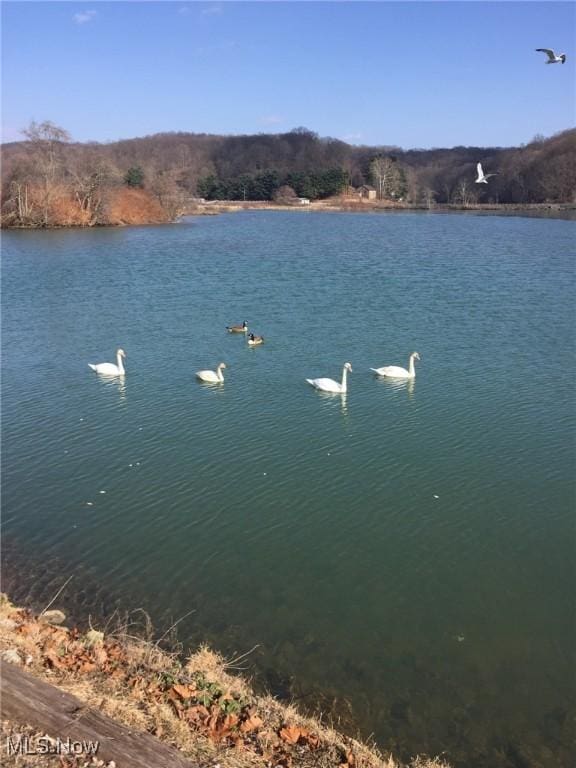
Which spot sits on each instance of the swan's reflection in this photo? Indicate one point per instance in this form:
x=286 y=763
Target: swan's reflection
x=398 y=385
x=117 y=383
x=217 y=389
x=332 y=399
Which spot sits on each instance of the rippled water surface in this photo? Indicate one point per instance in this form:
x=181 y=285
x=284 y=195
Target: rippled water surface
x=403 y=556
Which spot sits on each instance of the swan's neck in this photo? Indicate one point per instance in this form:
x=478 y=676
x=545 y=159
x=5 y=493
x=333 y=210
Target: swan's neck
x=411 y=370
x=119 y=363
x=220 y=374
x=344 y=376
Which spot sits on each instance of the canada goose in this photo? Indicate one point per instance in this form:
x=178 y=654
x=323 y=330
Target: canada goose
x=329 y=385
x=396 y=372
x=109 y=369
x=238 y=328
x=253 y=341
x=212 y=377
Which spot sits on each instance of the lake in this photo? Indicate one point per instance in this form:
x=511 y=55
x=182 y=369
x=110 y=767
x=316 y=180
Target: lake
x=404 y=556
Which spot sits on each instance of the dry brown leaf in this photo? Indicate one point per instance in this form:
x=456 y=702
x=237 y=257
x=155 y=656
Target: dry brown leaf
x=100 y=655
x=290 y=733
x=183 y=691
x=26 y=629
x=173 y=699
x=54 y=660
x=114 y=651
x=213 y=719
x=196 y=714
x=251 y=724
x=230 y=721
x=117 y=673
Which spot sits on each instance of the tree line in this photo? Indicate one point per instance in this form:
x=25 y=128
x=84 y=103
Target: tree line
x=271 y=185
x=48 y=179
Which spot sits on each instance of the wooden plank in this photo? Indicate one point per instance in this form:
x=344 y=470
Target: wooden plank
x=26 y=700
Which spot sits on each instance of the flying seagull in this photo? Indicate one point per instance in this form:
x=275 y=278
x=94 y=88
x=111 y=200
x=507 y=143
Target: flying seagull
x=482 y=177
x=552 y=58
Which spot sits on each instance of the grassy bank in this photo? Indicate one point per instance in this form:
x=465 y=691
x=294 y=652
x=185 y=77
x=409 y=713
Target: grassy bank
x=351 y=205
x=201 y=704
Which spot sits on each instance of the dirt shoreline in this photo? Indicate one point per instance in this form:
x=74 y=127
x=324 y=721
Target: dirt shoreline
x=199 y=706
x=216 y=207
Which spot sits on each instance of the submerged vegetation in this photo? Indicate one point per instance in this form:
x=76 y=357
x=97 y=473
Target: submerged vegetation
x=199 y=705
x=49 y=180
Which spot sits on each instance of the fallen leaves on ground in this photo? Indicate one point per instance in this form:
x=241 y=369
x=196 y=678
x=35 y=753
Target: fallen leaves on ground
x=223 y=718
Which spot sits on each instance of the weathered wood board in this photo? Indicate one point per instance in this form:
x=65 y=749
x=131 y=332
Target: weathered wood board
x=26 y=700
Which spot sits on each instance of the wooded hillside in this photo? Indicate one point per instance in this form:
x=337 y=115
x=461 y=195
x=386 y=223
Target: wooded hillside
x=49 y=180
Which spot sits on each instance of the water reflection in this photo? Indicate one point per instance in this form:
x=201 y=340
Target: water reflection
x=117 y=383
x=398 y=385
x=334 y=399
x=215 y=387
x=280 y=565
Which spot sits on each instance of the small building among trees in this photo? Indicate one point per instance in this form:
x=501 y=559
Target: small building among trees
x=366 y=192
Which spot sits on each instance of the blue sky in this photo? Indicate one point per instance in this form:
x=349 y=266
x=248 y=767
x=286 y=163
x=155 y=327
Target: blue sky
x=412 y=74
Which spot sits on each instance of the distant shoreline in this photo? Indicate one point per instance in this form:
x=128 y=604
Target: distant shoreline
x=566 y=211
x=214 y=207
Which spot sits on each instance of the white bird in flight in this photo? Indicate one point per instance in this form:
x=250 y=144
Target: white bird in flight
x=483 y=177
x=552 y=58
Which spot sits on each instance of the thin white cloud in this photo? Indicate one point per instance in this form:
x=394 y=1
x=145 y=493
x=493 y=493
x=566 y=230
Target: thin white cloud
x=212 y=10
x=352 y=136
x=207 y=50
x=184 y=10
x=84 y=17
x=271 y=119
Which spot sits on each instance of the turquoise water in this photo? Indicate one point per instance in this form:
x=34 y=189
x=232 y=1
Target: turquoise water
x=404 y=557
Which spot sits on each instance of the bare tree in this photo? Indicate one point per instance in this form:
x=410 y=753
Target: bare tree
x=380 y=171
x=429 y=197
x=45 y=141
x=170 y=195
x=285 y=194
x=46 y=180
x=91 y=178
x=463 y=194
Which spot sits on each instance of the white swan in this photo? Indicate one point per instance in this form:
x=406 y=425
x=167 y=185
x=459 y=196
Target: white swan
x=483 y=177
x=329 y=385
x=109 y=369
x=552 y=58
x=396 y=372
x=212 y=377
